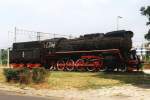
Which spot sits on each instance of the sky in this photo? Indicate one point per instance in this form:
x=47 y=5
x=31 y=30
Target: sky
x=71 y=17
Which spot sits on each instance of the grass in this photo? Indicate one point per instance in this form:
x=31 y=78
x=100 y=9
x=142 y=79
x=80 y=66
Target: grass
x=86 y=80
x=2 y=78
x=79 y=80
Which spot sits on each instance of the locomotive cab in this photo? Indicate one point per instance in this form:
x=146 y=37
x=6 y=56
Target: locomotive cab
x=134 y=61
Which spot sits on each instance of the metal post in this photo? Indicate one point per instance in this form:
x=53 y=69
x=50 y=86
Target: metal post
x=54 y=35
x=117 y=23
x=1 y=57
x=38 y=36
x=15 y=32
x=70 y=36
x=8 y=57
x=118 y=17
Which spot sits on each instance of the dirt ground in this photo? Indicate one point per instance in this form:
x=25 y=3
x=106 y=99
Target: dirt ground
x=125 y=92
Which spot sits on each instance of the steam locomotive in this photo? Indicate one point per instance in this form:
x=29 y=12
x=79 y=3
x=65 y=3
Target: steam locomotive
x=91 y=52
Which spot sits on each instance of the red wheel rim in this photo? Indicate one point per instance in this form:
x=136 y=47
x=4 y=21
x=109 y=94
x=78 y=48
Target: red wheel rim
x=70 y=65
x=80 y=64
x=60 y=65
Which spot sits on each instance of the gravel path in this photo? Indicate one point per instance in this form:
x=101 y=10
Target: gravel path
x=125 y=92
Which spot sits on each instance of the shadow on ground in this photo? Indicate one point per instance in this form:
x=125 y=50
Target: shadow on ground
x=139 y=79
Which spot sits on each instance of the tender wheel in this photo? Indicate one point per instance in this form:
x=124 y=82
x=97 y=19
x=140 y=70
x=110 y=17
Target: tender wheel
x=103 y=69
x=51 y=67
x=70 y=65
x=80 y=65
x=109 y=69
x=123 y=68
x=61 y=65
x=29 y=65
x=91 y=68
x=14 y=65
x=21 y=65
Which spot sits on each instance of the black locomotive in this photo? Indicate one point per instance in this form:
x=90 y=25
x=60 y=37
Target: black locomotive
x=90 y=52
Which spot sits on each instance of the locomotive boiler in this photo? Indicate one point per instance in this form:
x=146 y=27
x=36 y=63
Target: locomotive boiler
x=91 y=52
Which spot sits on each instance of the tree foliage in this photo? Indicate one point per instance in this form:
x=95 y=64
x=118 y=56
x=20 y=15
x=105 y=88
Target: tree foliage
x=3 y=54
x=146 y=12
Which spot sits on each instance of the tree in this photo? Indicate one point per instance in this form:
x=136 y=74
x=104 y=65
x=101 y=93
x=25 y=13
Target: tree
x=3 y=56
x=146 y=12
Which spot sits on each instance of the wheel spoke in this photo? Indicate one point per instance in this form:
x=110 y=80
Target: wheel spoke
x=60 y=65
x=70 y=65
x=80 y=65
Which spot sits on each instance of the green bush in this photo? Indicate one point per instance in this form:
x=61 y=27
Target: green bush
x=39 y=75
x=11 y=74
x=25 y=75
